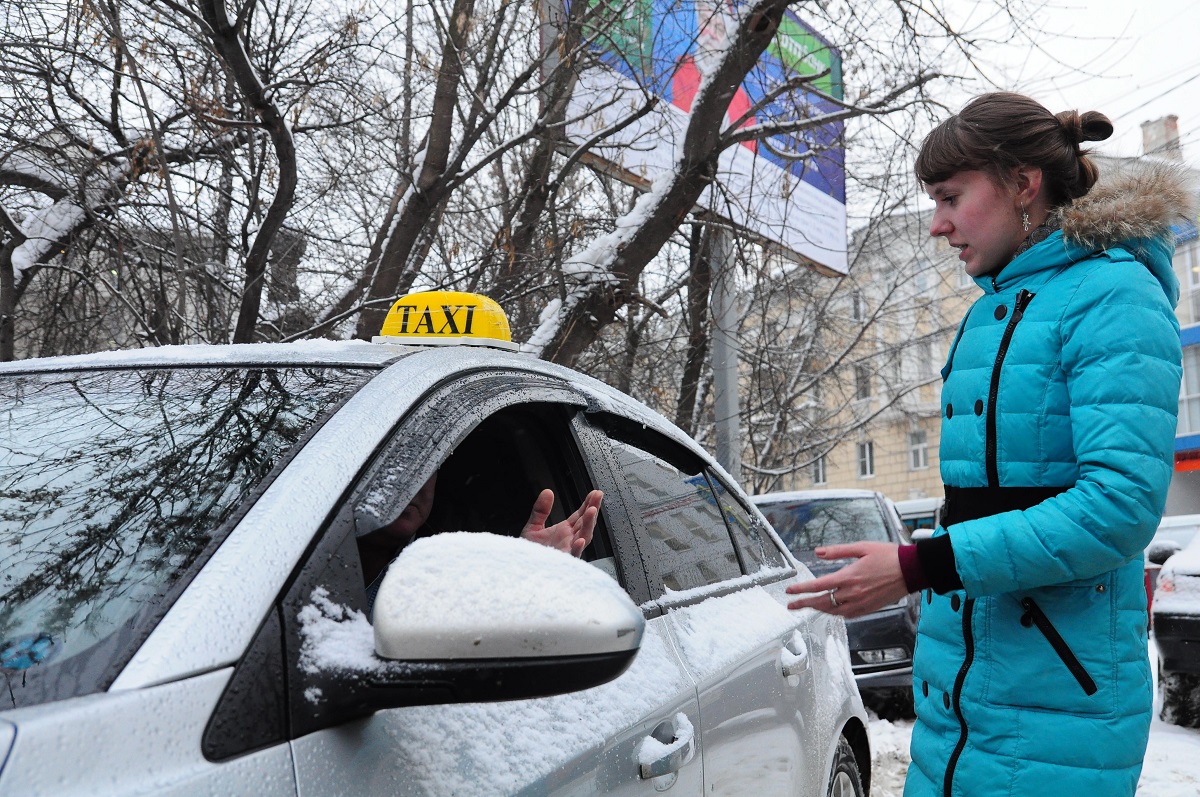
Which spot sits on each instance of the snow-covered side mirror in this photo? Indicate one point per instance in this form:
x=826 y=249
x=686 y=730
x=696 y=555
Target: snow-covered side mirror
x=469 y=596
x=469 y=617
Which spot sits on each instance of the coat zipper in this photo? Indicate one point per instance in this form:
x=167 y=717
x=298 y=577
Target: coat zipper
x=993 y=469
x=1035 y=616
x=1024 y=297
x=959 y=680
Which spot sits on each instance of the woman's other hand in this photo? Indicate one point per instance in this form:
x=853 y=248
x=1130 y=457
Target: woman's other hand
x=867 y=584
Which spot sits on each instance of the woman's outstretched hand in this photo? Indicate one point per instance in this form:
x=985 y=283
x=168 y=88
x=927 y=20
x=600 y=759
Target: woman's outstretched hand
x=869 y=583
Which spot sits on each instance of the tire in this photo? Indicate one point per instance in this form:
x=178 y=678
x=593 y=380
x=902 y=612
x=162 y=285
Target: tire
x=1180 y=693
x=844 y=779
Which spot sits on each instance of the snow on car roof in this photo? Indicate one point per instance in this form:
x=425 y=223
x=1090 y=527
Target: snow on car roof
x=307 y=352
x=810 y=495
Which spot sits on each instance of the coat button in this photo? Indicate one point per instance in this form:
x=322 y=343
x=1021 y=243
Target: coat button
x=979 y=406
x=955 y=602
x=1100 y=588
x=946 y=699
x=1001 y=311
x=949 y=410
x=925 y=688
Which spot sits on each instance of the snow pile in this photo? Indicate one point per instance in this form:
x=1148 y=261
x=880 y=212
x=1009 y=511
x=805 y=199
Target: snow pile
x=889 y=756
x=477 y=595
x=651 y=749
x=334 y=638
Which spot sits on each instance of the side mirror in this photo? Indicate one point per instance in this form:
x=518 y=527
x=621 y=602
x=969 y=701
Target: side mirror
x=470 y=617
x=1162 y=550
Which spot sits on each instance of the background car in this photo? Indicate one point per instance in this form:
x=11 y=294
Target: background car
x=1174 y=533
x=920 y=514
x=183 y=609
x=1176 y=612
x=881 y=643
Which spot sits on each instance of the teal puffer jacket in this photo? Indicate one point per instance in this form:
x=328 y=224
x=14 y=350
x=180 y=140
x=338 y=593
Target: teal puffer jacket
x=1034 y=677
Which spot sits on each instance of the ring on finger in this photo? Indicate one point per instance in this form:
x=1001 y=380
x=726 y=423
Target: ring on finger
x=832 y=598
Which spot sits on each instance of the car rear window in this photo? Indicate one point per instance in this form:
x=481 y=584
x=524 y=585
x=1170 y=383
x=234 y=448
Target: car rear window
x=806 y=524
x=115 y=486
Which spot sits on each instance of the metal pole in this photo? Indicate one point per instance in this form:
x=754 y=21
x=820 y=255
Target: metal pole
x=725 y=352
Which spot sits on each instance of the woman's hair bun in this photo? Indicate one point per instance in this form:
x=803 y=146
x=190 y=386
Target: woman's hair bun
x=1089 y=126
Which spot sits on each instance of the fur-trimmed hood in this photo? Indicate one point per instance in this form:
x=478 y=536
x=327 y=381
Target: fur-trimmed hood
x=1132 y=206
x=1131 y=200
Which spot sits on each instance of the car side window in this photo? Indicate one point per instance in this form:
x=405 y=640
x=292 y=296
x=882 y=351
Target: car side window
x=757 y=549
x=690 y=542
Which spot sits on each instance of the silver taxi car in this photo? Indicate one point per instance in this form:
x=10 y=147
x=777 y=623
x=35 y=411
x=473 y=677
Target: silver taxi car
x=183 y=609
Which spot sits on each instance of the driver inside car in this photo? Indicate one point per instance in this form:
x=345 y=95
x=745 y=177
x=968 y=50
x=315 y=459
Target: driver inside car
x=378 y=548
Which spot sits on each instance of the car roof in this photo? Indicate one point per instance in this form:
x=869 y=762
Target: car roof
x=307 y=352
x=811 y=495
x=360 y=353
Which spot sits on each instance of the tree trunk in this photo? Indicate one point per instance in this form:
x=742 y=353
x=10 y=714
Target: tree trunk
x=225 y=38
x=429 y=187
x=698 y=287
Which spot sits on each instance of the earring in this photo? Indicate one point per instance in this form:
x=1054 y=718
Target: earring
x=1024 y=219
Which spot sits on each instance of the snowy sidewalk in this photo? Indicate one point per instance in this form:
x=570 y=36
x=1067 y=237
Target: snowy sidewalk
x=1172 y=767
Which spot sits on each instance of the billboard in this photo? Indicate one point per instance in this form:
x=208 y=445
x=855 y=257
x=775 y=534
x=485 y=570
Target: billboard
x=787 y=188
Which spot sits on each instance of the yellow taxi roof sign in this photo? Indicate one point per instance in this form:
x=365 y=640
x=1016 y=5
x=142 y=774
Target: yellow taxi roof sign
x=446 y=318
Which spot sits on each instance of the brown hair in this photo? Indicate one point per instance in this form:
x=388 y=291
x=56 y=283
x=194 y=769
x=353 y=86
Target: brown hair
x=1001 y=131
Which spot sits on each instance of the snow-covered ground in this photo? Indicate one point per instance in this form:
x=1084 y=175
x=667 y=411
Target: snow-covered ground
x=1172 y=767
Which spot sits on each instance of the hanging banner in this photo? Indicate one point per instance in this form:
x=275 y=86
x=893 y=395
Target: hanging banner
x=789 y=189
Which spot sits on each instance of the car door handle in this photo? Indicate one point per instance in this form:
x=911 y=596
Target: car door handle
x=669 y=746
x=793 y=656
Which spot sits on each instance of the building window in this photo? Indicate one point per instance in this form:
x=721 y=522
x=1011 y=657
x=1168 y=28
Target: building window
x=924 y=355
x=862 y=382
x=964 y=279
x=818 y=470
x=1186 y=255
x=858 y=306
x=866 y=460
x=1189 y=393
x=918 y=450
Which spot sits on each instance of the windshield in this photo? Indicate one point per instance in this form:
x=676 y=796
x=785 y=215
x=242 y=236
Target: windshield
x=807 y=524
x=114 y=486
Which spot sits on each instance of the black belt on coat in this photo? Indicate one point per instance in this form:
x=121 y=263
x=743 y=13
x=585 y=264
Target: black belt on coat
x=970 y=503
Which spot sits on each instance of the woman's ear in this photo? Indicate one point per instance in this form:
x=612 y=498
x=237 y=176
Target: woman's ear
x=1028 y=182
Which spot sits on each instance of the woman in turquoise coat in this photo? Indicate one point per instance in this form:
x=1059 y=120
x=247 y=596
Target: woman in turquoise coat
x=1059 y=403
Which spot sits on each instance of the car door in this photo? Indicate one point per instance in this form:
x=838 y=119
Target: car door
x=495 y=439
x=724 y=606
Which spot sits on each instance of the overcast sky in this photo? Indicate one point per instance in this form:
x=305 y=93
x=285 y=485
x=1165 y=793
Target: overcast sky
x=1133 y=61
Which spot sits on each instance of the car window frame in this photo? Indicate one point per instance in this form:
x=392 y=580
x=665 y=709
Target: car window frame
x=609 y=424
x=332 y=560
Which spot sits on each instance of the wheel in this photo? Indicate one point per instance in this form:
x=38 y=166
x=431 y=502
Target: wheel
x=1180 y=692
x=844 y=780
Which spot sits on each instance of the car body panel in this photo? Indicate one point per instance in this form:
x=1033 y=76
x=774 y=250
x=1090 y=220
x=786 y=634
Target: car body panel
x=762 y=679
x=135 y=742
x=500 y=747
x=775 y=687
x=890 y=627
x=1176 y=610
